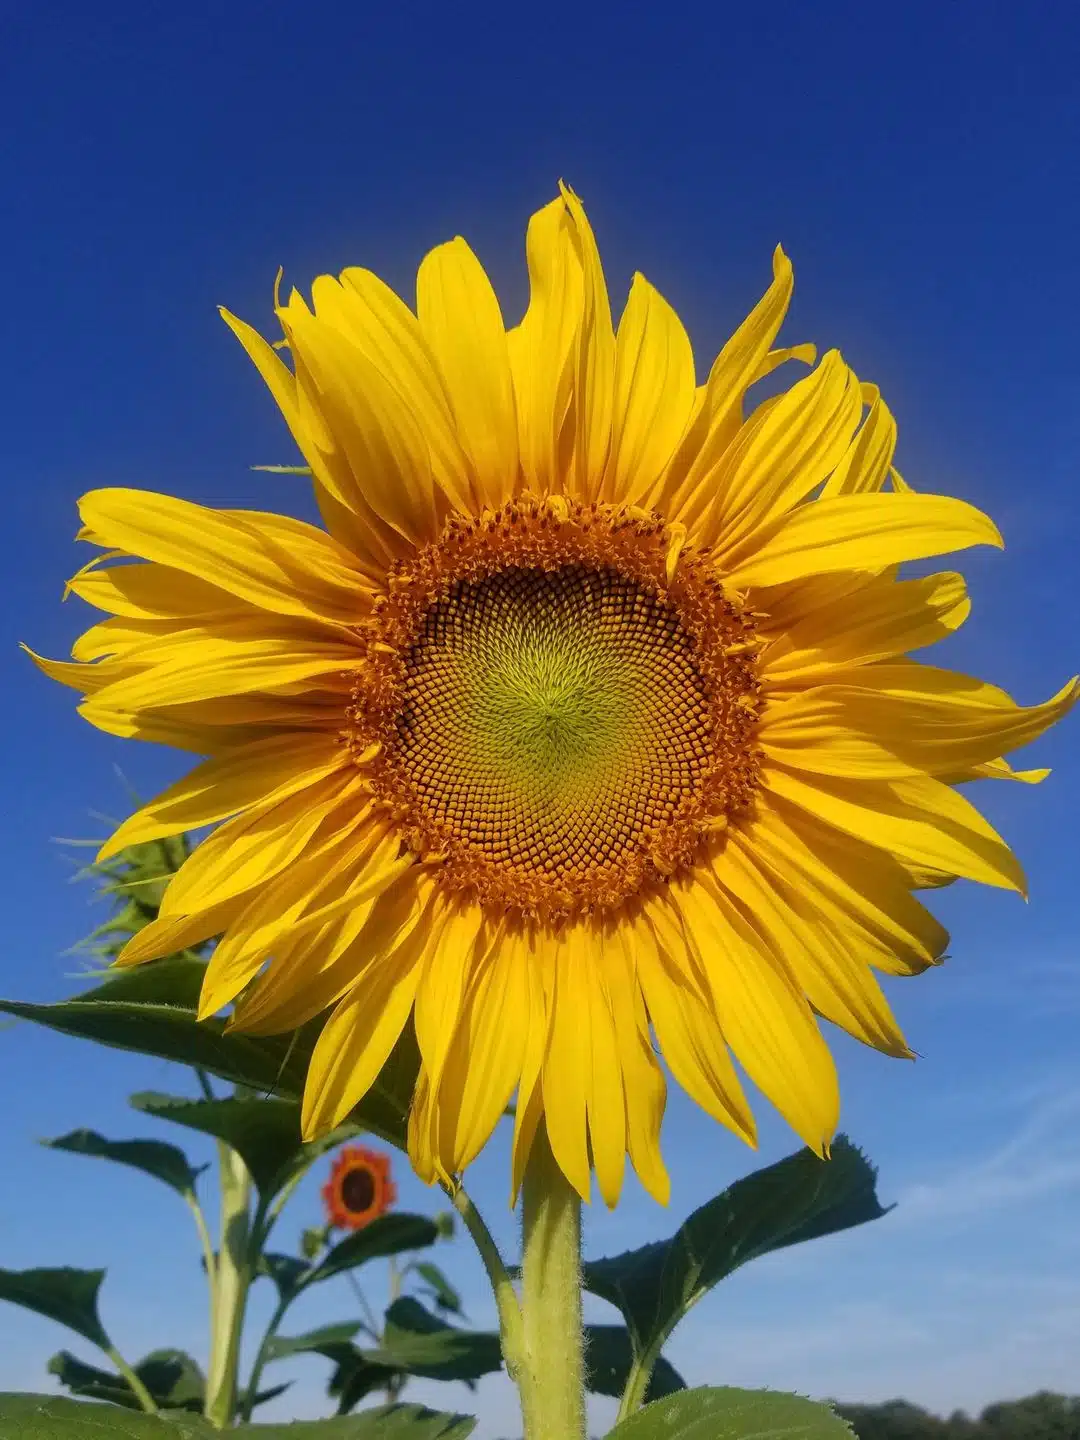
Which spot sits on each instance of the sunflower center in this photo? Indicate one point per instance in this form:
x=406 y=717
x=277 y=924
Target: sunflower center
x=556 y=716
x=358 y=1191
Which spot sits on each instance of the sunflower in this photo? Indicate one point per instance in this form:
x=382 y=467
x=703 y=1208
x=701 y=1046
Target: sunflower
x=359 y=1189
x=583 y=731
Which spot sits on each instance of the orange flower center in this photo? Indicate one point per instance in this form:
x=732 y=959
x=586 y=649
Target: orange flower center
x=564 y=704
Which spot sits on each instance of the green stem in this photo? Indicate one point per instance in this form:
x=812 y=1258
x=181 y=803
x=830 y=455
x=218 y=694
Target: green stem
x=252 y=1390
x=370 y=1323
x=234 y=1273
x=633 y=1397
x=511 y=1327
x=551 y=1299
x=146 y=1400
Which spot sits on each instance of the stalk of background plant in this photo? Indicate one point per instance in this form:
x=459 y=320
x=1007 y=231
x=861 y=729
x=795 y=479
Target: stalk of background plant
x=234 y=1273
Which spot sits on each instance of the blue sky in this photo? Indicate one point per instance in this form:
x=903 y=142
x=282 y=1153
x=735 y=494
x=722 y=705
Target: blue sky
x=918 y=163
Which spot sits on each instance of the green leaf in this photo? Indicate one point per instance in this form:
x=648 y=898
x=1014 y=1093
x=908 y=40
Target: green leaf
x=318 y=1340
x=286 y=1271
x=390 y=1234
x=263 y=1130
x=608 y=1358
x=151 y=1009
x=442 y=1292
x=420 y=1343
x=154 y=1157
x=355 y=1377
x=40 y=1417
x=172 y=1377
x=730 y=1414
x=799 y=1198
x=65 y=1295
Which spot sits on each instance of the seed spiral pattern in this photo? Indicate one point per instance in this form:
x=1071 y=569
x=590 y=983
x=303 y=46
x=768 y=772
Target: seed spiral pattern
x=552 y=714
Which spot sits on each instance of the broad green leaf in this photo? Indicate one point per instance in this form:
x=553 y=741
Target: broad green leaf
x=286 y=1271
x=172 y=1377
x=154 y=1157
x=318 y=1340
x=263 y=1130
x=799 y=1198
x=390 y=1234
x=418 y=1342
x=41 y=1417
x=65 y=1295
x=442 y=1292
x=151 y=1009
x=730 y=1414
x=608 y=1358
x=355 y=1377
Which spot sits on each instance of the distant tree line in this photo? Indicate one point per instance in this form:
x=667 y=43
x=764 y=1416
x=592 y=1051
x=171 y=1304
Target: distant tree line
x=1044 y=1416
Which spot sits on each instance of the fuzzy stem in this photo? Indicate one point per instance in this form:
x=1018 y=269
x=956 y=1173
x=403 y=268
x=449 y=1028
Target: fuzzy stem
x=511 y=1329
x=551 y=1299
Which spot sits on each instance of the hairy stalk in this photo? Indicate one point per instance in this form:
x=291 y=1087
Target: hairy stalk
x=248 y=1403
x=551 y=1299
x=511 y=1328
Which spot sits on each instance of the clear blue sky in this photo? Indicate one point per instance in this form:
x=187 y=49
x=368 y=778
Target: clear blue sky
x=918 y=162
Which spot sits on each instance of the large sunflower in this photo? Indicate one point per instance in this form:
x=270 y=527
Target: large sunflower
x=584 y=722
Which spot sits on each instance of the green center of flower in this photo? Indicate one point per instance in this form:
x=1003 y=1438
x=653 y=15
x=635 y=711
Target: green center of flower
x=552 y=718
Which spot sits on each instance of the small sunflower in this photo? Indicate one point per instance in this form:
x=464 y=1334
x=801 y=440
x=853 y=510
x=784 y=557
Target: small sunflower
x=359 y=1189
x=586 y=727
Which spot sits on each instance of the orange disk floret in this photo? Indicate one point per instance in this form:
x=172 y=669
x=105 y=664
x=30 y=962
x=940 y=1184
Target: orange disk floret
x=359 y=1189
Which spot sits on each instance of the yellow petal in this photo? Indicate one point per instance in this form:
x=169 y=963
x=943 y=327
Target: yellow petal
x=606 y=1101
x=483 y=1064
x=384 y=445
x=148 y=592
x=334 y=488
x=567 y=1065
x=822 y=959
x=739 y=363
x=312 y=969
x=255 y=845
x=594 y=361
x=357 y=1040
x=543 y=348
x=277 y=766
x=384 y=327
x=859 y=532
x=196 y=671
x=937 y=720
x=643 y=1081
x=859 y=887
x=462 y=323
x=919 y=821
x=689 y=1034
x=169 y=935
x=781 y=460
x=271 y=561
x=765 y=1020
x=654 y=393
x=891 y=618
x=865 y=466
